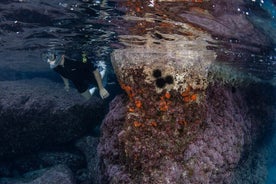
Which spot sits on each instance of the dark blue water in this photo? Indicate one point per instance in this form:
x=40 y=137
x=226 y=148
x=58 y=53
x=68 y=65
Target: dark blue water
x=30 y=27
x=264 y=20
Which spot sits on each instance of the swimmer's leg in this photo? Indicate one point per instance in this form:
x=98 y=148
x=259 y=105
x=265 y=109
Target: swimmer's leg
x=92 y=91
x=86 y=94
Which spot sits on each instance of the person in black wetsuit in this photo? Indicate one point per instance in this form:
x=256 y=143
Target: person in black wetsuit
x=82 y=73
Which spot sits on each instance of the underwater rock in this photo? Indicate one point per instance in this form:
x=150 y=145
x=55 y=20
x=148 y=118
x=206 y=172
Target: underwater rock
x=88 y=146
x=38 y=113
x=182 y=68
x=182 y=122
x=60 y=174
x=109 y=151
x=19 y=166
x=174 y=152
x=227 y=20
x=166 y=86
x=82 y=162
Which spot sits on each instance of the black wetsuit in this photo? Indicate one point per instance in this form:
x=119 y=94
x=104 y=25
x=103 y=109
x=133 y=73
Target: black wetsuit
x=80 y=72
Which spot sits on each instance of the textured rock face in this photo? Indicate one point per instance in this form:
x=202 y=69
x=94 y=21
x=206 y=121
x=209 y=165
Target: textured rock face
x=215 y=153
x=59 y=174
x=88 y=146
x=35 y=114
x=166 y=107
x=109 y=151
x=170 y=152
x=166 y=85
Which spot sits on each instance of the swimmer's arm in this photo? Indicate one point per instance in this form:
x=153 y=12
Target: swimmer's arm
x=103 y=92
x=98 y=78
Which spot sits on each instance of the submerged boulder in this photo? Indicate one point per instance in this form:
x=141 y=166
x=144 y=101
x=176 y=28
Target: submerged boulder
x=186 y=118
x=58 y=174
x=206 y=151
x=35 y=114
x=88 y=146
x=112 y=169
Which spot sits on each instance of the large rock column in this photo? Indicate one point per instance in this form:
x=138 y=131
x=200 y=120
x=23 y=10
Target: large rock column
x=178 y=126
x=184 y=69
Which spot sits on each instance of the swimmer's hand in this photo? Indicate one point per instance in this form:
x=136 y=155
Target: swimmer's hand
x=103 y=93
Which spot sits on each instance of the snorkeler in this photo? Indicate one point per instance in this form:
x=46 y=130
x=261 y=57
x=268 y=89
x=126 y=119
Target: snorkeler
x=81 y=72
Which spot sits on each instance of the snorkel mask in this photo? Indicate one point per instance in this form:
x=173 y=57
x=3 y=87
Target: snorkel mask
x=52 y=58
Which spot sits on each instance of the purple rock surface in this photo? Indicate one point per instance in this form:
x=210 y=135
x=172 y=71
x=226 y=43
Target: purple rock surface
x=38 y=113
x=211 y=156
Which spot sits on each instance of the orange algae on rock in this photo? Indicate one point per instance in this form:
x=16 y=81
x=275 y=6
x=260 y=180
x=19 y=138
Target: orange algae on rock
x=186 y=92
x=153 y=123
x=137 y=124
x=186 y=99
x=193 y=97
x=128 y=90
x=163 y=105
x=182 y=122
x=138 y=103
x=130 y=109
x=189 y=96
x=167 y=95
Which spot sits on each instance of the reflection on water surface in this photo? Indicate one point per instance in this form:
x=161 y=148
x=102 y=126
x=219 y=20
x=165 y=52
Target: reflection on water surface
x=31 y=26
x=236 y=37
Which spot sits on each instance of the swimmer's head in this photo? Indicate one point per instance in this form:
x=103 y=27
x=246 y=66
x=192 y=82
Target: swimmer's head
x=52 y=58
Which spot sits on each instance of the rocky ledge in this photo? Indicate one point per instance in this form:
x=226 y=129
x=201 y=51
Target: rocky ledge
x=36 y=114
